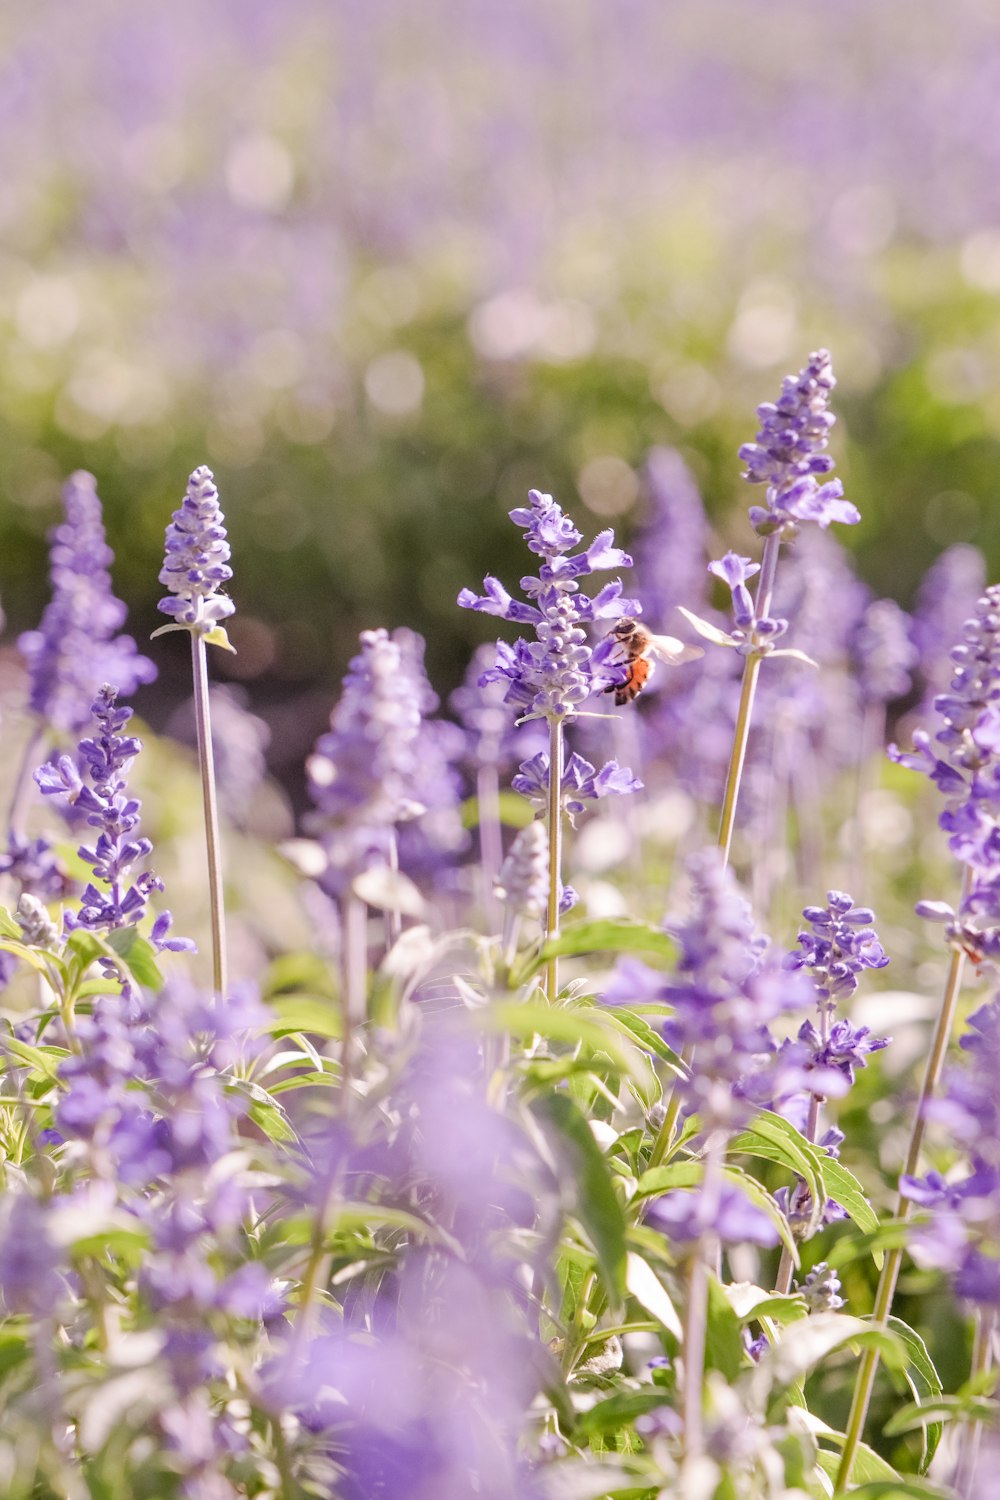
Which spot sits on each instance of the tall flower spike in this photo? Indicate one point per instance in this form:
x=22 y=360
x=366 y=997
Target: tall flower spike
x=77 y=646
x=194 y=568
x=196 y=564
x=552 y=676
x=789 y=453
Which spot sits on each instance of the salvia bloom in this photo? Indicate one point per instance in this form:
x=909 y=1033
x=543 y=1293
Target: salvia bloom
x=884 y=652
x=196 y=564
x=364 y=772
x=522 y=884
x=965 y=767
x=789 y=455
x=727 y=989
x=104 y=799
x=553 y=675
x=945 y=600
x=581 y=782
x=963 y=1233
x=77 y=645
x=840 y=942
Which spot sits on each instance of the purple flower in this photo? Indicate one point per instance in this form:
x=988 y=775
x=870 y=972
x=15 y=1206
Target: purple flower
x=884 y=652
x=197 y=559
x=364 y=774
x=734 y=572
x=523 y=882
x=77 y=646
x=726 y=990
x=104 y=800
x=581 y=782
x=966 y=769
x=841 y=943
x=686 y=1216
x=553 y=675
x=789 y=454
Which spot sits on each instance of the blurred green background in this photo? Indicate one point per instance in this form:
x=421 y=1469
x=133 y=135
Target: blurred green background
x=383 y=268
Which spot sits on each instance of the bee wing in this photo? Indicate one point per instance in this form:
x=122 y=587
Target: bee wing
x=672 y=652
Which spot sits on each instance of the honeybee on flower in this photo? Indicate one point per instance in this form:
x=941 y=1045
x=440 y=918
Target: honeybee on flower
x=639 y=645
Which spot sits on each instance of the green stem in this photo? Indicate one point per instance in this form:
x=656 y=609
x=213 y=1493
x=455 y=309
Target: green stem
x=353 y=986
x=213 y=842
x=971 y=1435
x=696 y=1309
x=554 y=829
x=894 y=1258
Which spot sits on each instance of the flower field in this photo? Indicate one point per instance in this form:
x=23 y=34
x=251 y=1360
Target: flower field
x=500 y=882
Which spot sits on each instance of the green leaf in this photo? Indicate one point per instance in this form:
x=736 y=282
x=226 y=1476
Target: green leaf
x=217 y=637
x=925 y=1383
x=576 y=1025
x=605 y=935
x=43 y=1061
x=597 y=1204
x=802 y=1345
x=917 y=1414
x=776 y=1139
x=649 y=1291
x=296 y=973
x=138 y=954
x=724 y=1350
x=42 y=962
x=647 y=1038
x=8 y=926
x=310 y=1013
x=620 y=1410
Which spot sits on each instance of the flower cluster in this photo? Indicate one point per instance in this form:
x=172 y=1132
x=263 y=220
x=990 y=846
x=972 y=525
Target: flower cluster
x=77 y=645
x=962 y=1236
x=580 y=785
x=104 y=799
x=963 y=761
x=789 y=455
x=553 y=675
x=197 y=559
x=728 y=988
x=364 y=772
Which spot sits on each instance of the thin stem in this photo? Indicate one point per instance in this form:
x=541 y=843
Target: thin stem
x=29 y=758
x=554 y=821
x=354 y=950
x=971 y=1435
x=696 y=1310
x=490 y=842
x=393 y=916
x=213 y=842
x=894 y=1258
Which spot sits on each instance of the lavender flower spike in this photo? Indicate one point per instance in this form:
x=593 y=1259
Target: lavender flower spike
x=197 y=563
x=76 y=647
x=789 y=453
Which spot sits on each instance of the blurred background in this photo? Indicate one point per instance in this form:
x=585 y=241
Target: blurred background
x=384 y=267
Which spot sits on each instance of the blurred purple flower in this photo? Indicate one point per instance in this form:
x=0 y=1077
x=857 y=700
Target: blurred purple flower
x=884 y=651
x=686 y=1217
x=77 y=646
x=364 y=774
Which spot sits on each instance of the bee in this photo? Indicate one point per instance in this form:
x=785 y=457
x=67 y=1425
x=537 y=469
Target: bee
x=638 y=646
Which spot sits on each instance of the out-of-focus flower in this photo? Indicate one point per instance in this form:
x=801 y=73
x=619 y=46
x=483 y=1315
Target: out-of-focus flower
x=77 y=646
x=688 y=1217
x=196 y=564
x=966 y=769
x=884 y=651
x=727 y=988
x=364 y=773
x=522 y=884
x=239 y=743
x=945 y=600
